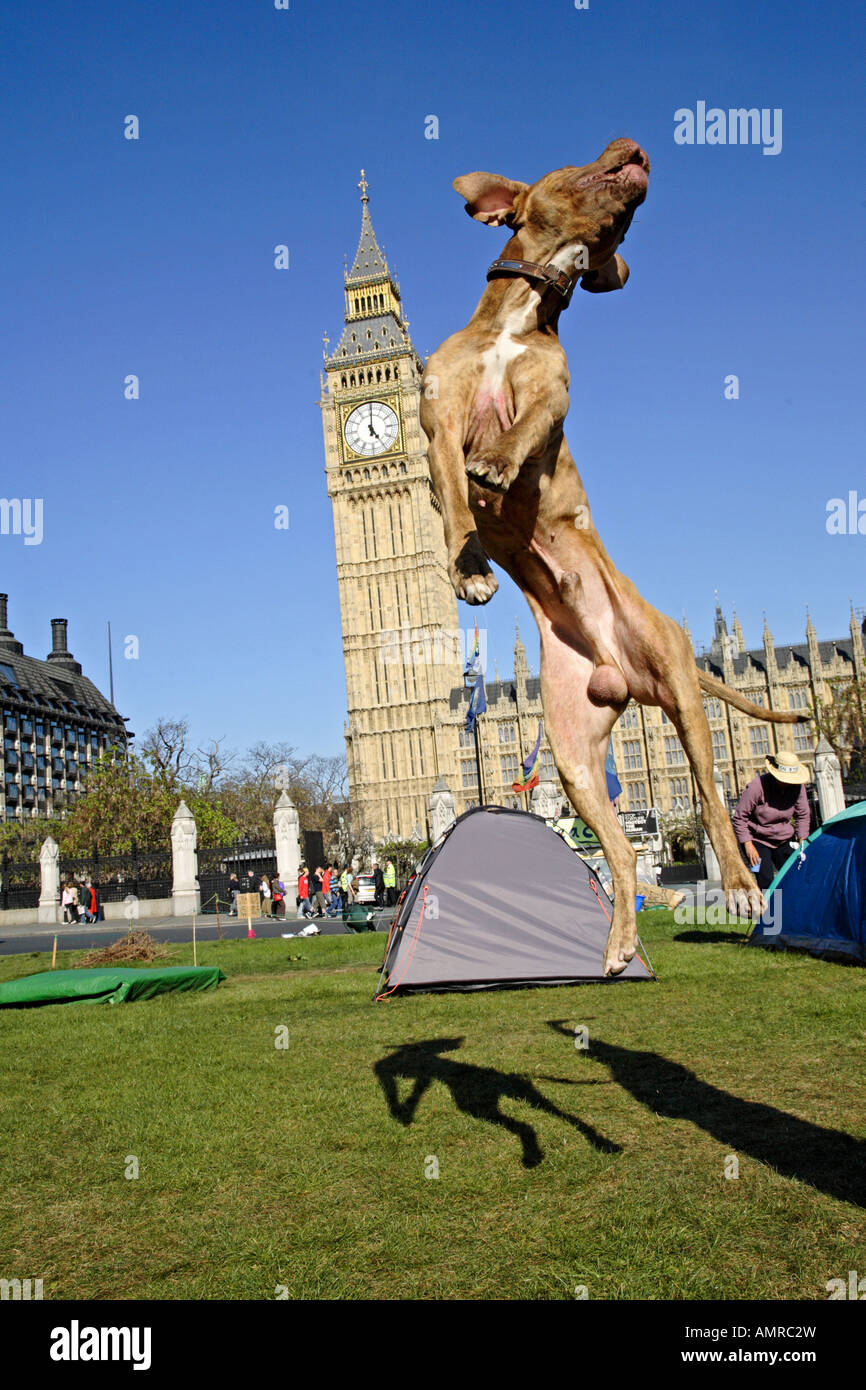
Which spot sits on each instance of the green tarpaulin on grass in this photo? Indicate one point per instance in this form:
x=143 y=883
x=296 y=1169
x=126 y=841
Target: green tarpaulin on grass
x=107 y=985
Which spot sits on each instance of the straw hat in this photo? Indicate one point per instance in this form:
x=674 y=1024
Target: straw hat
x=786 y=767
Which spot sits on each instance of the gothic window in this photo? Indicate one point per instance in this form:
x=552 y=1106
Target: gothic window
x=343 y=380
x=629 y=718
x=370 y=604
x=469 y=775
x=631 y=755
x=352 y=378
x=354 y=339
x=674 y=752
x=636 y=792
x=802 y=739
x=760 y=741
x=507 y=734
x=369 y=334
x=378 y=694
x=364 y=527
x=402 y=465
x=720 y=745
x=400 y=526
x=387 y=373
x=680 y=799
x=396 y=369
x=548 y=766
x=508 y=764
x=379 y=597
x=713 y=708
x=798 y=699
x=393 y=534
x=467 y=740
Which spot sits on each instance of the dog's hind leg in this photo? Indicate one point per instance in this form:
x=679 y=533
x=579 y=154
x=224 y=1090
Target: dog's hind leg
x=579 y=731
x=685 y=708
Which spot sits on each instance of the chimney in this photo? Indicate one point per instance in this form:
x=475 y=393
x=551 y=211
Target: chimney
x=60 y=653
x=7 y=638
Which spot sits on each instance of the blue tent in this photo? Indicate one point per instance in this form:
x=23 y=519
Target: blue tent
x=817 y=901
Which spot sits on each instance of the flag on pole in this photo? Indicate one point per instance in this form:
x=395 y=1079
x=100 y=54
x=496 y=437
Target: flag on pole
x=614 y=786
x=477 y=703
x=529 y=777
x=472 y=658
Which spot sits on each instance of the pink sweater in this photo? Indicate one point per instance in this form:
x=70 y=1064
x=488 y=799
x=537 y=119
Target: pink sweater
x=772 y=812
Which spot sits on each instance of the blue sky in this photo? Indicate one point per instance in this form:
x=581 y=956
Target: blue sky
x=155 y=257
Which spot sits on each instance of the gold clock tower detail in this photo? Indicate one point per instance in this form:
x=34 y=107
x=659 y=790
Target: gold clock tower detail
x=401 y=640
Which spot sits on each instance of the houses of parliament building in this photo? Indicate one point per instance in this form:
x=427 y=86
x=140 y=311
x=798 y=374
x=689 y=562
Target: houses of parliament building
x=406 y=701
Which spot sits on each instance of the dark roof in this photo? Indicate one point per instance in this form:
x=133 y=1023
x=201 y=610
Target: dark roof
x=498 y=692
x=55 y=687
x=369 y=262
x=789 y=656
x=387 y=337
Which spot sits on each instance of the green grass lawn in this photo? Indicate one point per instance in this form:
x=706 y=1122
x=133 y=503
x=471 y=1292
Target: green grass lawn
x=305 y=1166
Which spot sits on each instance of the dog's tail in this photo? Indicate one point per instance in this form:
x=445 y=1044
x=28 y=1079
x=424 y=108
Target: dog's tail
x=724 y=692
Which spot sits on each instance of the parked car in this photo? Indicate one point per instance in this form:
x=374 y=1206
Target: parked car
x=366 y=889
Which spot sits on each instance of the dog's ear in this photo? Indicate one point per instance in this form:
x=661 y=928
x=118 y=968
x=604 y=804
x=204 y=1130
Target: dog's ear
x=610 y=276
x=491 y=199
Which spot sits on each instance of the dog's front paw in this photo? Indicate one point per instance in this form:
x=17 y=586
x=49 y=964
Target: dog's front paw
x=493 y=471
x=471 y=575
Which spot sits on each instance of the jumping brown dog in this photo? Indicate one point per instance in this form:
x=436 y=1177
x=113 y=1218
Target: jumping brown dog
x=493 y=404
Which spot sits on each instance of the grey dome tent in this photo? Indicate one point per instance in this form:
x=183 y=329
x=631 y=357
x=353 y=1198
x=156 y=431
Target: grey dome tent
x=500 y=901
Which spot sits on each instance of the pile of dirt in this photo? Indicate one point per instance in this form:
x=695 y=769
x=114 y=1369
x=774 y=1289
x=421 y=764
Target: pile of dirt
x=137 y=947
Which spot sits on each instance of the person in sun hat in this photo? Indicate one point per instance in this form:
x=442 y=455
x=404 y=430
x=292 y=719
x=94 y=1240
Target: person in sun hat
x=772 y=815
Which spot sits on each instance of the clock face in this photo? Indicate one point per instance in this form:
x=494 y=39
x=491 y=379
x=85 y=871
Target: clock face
x=371 y=428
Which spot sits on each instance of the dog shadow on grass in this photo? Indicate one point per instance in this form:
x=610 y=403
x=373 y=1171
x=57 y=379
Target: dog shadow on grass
x=477 y=1091
x=827 y=1159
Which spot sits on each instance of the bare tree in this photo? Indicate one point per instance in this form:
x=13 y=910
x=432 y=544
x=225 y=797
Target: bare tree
x=165 y=748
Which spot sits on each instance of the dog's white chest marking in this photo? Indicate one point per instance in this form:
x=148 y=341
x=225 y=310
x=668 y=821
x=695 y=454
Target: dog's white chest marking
x=504 y=349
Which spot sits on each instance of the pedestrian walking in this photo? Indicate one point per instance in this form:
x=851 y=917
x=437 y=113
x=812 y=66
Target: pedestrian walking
x=265 y=896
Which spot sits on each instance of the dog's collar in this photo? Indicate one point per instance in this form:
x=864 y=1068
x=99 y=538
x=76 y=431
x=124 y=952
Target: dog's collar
x=550 y=275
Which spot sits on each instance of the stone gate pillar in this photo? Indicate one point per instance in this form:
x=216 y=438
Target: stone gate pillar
x=185 y=893
x=711 y=863
x=287 y=837
x=49 y=868
x=544 y=800
x=828 y=780
x=443 y=811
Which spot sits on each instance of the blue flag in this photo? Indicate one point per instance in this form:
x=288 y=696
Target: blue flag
x=477 y=703
x=614 y=787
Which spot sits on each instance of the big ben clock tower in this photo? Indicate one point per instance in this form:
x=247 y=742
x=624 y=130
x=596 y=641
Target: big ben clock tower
x=399 y=614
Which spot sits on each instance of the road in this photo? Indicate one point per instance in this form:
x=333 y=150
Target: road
x=17 y=940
